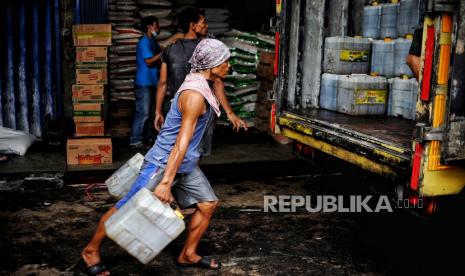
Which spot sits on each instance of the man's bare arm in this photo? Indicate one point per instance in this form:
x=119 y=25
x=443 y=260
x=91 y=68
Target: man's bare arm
x=192 y=105
x=218 y=88
x=414 y=62
x=151 y=61
x=160 y=97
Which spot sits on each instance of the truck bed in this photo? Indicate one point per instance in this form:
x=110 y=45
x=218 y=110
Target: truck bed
x=385 y=140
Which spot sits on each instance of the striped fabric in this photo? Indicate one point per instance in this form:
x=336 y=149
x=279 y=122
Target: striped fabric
x=197 y=82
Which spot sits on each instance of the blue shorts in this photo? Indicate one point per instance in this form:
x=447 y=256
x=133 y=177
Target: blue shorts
x=188 y=188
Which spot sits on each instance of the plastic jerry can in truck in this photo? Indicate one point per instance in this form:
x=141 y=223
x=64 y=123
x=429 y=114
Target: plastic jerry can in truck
x=424 y=155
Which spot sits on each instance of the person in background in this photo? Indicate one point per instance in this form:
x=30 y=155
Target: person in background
x=414 y=57
x=175 y=67
x=171 y=166
x=148 y=59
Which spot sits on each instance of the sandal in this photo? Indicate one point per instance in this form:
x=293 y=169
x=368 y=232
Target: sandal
x=204 y=262
x=95 y=269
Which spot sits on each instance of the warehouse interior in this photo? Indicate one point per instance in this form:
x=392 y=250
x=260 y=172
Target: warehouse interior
x=41 y=83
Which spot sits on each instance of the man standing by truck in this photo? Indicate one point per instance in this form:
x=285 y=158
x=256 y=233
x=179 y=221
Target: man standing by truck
x=175 y=67
x=414 y=57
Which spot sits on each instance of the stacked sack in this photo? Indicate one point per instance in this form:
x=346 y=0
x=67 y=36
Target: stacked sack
x=242 y=85
x=123 y=18
x=217 y=19
x=123 y=15
x=161 y=9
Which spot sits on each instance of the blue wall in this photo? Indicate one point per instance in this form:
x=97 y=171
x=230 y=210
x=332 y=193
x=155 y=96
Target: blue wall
x=30 y=64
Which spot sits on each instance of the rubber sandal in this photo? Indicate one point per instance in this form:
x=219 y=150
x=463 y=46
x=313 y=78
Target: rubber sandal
x=95 y=269
x=204 y=262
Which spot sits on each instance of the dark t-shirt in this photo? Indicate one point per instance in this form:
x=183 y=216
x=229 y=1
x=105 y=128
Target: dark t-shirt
x=415 y=48
x=176 y=56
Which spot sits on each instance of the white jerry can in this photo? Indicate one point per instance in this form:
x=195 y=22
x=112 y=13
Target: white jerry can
x=120 y=182
x=144 y=226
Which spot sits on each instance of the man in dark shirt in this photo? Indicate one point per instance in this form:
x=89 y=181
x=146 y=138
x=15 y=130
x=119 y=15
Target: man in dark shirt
x=175 y=66
x=414 y=57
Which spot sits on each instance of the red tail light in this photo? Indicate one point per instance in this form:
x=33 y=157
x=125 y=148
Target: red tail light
x=416 y=168
x=428 y=65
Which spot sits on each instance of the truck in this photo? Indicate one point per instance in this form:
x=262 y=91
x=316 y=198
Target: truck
x=424 y=157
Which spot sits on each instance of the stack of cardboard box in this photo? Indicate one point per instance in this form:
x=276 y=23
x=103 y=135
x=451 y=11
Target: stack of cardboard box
x=265 y=72
x=265 y=96
x=91 y=41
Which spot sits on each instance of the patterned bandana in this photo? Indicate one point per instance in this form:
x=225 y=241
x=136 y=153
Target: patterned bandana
x=209 y=53
x=197 y=82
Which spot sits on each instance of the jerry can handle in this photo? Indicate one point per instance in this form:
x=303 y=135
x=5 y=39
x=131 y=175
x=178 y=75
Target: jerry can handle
x=176 y=210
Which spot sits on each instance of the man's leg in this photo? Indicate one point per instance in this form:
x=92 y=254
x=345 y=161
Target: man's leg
x=197 y=227
x=91 y=253
x=149 y=129
x=141 y=115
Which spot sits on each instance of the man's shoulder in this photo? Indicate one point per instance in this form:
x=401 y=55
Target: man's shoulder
x=182 y=43
x=143 y=40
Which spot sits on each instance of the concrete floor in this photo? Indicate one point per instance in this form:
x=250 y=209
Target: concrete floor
x=43 y=230
x=228 y=148
x=45 y=220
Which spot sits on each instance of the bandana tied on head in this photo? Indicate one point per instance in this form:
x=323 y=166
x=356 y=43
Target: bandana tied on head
x=209 y=53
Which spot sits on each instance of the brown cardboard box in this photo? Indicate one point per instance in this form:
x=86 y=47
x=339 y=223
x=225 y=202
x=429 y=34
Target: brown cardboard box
x=87 y=109
x=87 y=119
x=91 y=75
x=88 y=93
x=263 y=110
x=87 y=113
x=92 y=35
x=266 y=71
x=82 y=151
x=266 y=58
x=263 y=96
x=263 y=124
x=91 y=55
x=90 y=129
x=266 y=84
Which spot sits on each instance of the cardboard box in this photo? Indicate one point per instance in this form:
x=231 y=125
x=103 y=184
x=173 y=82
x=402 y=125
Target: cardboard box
x=87 y=113
x=88 y=93
x=262 y=125
x=87 y=109
x=92 y=75
x=87 y=119
x=86 y=151
x=263 y=110
x=263 y=96
x=266 y=71
x=266 y=84
x=90 y=129
x=91 y=55
x=92 y=35
x=266 y=58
